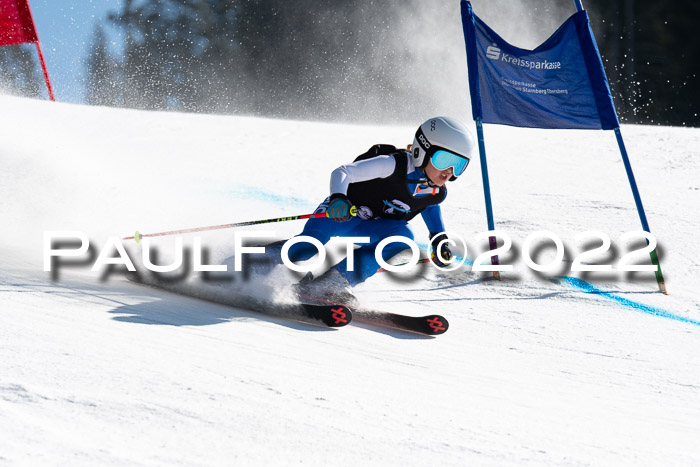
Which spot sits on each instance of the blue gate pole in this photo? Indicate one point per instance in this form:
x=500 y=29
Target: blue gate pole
x=633 y=182
x=635 y=192
x=487 y=192
x=640 y=208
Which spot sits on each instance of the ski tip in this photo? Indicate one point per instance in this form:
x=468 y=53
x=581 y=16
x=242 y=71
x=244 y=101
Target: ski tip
x=340 y=316
x=333 y=316
x=436 y=324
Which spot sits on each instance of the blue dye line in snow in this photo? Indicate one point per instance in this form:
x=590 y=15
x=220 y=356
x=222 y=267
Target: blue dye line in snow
x=590 y=288
x=261 y=195
x=256 y=194
x=650 y=310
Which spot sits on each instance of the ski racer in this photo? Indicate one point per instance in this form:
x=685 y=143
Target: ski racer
x=388 y=187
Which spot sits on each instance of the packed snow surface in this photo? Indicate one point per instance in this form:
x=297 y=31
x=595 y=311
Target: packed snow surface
x=556 y=368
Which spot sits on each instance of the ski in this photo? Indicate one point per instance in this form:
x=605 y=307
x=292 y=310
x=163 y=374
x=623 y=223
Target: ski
x=429 y=325
x=333 y=316
x=314 y=310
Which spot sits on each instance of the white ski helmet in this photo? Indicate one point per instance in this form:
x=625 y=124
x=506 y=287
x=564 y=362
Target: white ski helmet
x=440 y=134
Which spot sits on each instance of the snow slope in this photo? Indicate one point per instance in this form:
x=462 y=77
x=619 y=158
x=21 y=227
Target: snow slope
x=535 y=370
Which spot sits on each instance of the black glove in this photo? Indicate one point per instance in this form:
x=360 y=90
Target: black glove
x=442 y=257
x=339 y=208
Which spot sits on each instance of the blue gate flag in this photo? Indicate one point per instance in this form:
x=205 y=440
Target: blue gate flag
x=560 y=84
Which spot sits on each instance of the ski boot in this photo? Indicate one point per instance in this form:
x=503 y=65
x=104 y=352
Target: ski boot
x=329 y=287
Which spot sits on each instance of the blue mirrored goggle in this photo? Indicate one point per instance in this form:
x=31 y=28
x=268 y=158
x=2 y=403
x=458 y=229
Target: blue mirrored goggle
x=443 y=160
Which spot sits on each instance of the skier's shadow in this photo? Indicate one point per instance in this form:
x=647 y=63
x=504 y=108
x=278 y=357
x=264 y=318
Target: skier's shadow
x=183 y=311
x=392 y=332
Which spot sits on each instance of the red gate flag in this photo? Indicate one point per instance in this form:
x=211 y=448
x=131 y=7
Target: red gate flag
x=16 y=24
x=17 y=27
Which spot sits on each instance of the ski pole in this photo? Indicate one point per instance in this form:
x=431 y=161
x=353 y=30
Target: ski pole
x=138 y=235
